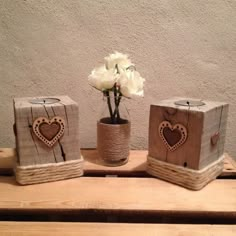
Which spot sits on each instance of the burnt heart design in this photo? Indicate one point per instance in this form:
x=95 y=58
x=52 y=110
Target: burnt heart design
x=172 y=136
x=49 y=131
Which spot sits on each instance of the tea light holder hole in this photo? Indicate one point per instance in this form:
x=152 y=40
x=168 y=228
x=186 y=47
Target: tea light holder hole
x=190 y=103
x=44 y=100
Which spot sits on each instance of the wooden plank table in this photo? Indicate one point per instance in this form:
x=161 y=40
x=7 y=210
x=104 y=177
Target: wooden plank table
x=104 y=229
x=121 y=200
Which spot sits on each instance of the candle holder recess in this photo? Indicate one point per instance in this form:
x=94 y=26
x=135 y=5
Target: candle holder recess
x=47 y=139
x=186 y=141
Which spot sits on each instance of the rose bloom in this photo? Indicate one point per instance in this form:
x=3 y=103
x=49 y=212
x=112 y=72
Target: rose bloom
x=117 y=69
x=131 y=83
x=119 y=59
x=102 y=79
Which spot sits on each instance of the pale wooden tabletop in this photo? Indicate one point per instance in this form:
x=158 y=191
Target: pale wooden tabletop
x=124 y=194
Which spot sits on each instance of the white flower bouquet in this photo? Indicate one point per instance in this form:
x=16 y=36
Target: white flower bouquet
x=118 y=76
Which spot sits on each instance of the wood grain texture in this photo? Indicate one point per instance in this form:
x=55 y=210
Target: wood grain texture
x=134 y=167
x=215 y=121
x=70 y=143
x=93 y=164
x=102 y=229
x=31 y=150
x=144 y=195
x=56 y=148
x=189 y=152
x=202 y=122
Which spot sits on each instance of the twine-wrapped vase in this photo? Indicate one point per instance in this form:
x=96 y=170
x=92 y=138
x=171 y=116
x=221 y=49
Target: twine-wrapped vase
x=113 y=141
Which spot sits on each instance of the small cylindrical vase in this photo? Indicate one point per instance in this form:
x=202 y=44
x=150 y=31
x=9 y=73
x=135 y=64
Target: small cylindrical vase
x=113 y=141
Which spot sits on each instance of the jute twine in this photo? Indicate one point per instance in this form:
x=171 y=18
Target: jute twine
x=188 y=178
x=48 y=172
x=113 y=143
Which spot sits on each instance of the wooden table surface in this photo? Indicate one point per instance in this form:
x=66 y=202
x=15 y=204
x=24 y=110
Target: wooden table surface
x=115 y=200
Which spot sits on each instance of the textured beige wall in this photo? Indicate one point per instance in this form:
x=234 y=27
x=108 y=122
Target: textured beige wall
x=182 y=48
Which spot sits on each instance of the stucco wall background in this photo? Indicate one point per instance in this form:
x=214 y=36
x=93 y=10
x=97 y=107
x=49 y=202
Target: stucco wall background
x=182 y=48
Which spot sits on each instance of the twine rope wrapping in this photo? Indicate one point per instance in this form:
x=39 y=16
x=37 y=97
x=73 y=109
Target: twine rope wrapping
x=48 y=172
x=188 y=178
x=113 y=142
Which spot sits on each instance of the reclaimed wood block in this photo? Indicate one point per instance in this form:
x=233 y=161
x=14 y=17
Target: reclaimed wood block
x=187 y=135
x=47 y=139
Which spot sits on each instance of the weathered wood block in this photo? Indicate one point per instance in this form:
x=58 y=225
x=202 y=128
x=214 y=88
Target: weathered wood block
x=47 y=139
x=187 y=135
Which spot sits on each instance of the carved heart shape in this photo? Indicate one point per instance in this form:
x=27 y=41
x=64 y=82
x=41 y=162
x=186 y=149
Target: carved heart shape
x=214 y=138
x=172 y=136
x=49 y=131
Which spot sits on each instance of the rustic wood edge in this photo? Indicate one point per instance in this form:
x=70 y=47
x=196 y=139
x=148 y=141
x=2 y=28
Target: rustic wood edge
x=93 y=165
x=141 y=200
x=69 y=228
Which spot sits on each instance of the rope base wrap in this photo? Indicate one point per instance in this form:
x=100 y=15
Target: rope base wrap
x=188 y=178
x=48 y=172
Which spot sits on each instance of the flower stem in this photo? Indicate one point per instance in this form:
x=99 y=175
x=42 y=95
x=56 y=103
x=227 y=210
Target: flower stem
x=115 y=102
x=117 y=99
x=109 y=106
x=118 y=103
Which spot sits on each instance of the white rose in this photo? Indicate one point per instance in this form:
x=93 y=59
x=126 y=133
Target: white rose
x=102 y=79
x=131 y=83
x=119 y=59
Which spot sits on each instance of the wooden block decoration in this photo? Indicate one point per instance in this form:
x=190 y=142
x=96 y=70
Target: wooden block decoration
x=187 y=135
x=47 y=139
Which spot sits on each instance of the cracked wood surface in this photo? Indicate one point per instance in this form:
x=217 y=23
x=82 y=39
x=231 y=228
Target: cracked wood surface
x=31 y=150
